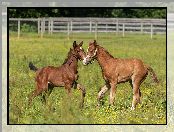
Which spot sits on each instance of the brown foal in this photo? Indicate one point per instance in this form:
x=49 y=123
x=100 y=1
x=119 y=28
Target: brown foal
x=65 y=75
x=116 y=70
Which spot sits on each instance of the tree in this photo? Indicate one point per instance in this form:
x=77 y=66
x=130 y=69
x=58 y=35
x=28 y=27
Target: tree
x=87 y=12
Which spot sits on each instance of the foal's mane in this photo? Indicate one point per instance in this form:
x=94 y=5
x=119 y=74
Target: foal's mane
x=68 y=56
x=104 y=50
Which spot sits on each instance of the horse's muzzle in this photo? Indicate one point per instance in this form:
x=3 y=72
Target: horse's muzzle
x=86 y=60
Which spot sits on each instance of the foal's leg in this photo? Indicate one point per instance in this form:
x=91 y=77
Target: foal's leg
x=83 y=93
x=68 y=87
x=136 y=93
x=50 y=89
x=48 y=92
x=102 y=92
x=34 y=94
x=112 y=93
x=39 y=89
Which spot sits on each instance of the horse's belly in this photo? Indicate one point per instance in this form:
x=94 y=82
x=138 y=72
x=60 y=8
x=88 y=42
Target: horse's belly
x=56 y=83
x=123 y=78
x=56 y=80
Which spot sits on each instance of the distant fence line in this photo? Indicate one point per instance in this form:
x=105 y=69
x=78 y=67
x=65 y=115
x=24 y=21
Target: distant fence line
x=70 y=25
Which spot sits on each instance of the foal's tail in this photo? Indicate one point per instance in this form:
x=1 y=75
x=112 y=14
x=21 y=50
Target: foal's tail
x=32 y=67
x=153 y=75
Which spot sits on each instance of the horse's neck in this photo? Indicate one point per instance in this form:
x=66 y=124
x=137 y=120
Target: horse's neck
x=72 y=63
x=103 y=57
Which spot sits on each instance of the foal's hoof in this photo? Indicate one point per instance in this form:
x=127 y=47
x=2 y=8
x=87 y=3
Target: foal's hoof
x=132 y=108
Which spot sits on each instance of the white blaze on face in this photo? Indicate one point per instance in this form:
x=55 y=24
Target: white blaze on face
x=84 y=61
x=81 y=48
x=95 y=52
x=87 y=49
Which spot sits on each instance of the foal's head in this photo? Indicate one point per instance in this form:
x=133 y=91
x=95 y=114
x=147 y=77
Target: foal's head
x=91 y=52
x=79 y=51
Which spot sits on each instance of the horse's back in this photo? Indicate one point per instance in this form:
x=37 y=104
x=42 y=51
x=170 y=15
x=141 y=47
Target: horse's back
x=134 y=67
x=49 y=73
x=129 y=63
x=124 y=69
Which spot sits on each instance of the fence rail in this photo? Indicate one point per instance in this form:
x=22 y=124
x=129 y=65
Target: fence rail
x=69 y=25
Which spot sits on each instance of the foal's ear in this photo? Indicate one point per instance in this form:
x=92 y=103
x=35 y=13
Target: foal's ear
x=81 y=43
x=74 y=44
x=95 y=42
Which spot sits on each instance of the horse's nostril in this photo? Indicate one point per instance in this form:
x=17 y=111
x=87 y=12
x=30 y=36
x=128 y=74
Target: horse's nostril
x=84 y=63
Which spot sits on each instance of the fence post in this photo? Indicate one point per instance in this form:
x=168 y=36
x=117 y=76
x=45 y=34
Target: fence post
x=18 y=29
x=106 y=28
x=42 y=24
x=117 y=26
x=96 y=30
x=68 y=29
x=123 y=29
x=151 y=27
x=38 y=26
x=71 y=25
x=51 y=26
x=90 y=26
x=141 y=28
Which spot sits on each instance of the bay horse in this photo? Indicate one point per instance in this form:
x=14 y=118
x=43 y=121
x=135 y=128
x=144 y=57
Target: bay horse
x=116 y=70
x=65 y=75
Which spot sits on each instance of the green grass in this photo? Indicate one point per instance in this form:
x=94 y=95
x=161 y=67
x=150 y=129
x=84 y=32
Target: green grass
x=52 y=50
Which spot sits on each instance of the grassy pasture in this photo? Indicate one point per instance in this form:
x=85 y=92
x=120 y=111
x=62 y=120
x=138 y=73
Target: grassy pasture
x=52 y=50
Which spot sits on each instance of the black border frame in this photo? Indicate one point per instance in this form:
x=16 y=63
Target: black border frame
x=83 y=8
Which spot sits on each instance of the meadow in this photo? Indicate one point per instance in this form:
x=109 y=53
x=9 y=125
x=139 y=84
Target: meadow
x=59 y=109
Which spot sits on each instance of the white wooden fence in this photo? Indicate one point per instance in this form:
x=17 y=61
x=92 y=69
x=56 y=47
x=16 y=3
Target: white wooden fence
x=117 y=25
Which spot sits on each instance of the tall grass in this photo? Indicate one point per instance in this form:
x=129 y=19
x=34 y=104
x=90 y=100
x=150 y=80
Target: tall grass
x=59 y=109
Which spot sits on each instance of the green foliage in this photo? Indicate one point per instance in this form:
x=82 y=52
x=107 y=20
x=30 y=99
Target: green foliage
x=88 y=12
x=28 y=28
x=139 y=13
x=59 y=109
